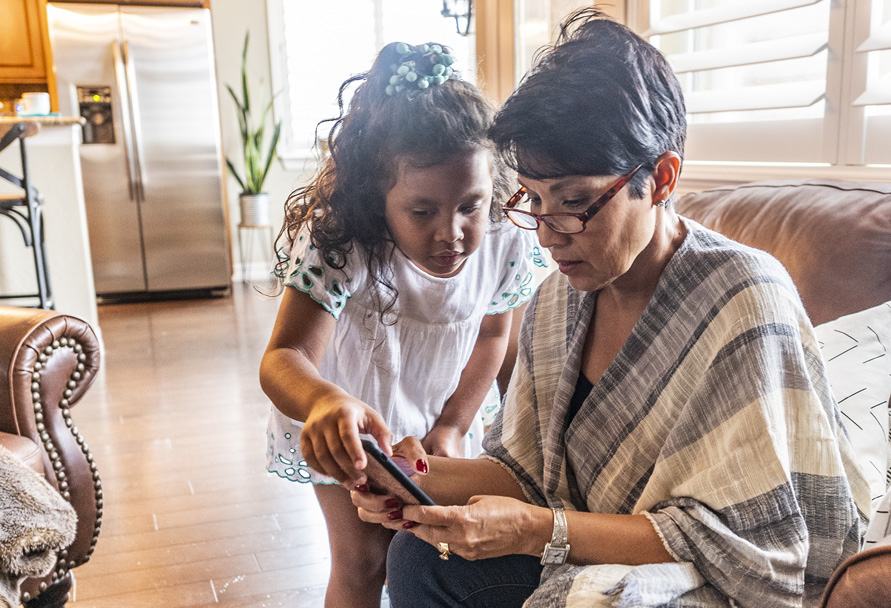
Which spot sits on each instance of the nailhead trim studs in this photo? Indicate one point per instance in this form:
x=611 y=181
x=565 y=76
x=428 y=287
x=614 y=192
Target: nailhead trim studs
x=63 y=565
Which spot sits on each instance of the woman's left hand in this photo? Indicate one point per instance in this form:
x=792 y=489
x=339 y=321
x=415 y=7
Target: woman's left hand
x=488 y=526
x=444 y=440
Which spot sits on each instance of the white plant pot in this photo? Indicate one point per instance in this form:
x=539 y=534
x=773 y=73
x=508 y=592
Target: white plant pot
x=254 y=209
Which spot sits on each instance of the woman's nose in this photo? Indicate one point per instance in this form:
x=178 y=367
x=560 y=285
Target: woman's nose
x=547 y=238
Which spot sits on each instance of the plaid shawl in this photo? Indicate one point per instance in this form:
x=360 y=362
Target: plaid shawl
x=715 y=421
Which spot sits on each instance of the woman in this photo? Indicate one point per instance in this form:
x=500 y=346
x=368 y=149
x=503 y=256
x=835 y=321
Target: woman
x=668 y=434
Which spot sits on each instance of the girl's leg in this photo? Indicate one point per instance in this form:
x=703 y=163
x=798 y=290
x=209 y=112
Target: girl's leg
x=416 y=576
x=358 y=552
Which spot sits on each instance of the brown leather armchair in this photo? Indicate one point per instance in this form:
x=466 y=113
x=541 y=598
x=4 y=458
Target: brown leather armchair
x=48 y=361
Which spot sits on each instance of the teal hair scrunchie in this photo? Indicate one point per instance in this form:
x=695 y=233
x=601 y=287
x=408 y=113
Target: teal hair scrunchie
x=420 y=67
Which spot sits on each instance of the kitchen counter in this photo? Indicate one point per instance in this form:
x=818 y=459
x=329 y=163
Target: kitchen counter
x=54 y=170
x=48 y=121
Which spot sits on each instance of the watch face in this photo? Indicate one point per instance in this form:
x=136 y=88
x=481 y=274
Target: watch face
x=554 y=556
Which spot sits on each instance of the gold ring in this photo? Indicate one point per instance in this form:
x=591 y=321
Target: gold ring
x=444 y=551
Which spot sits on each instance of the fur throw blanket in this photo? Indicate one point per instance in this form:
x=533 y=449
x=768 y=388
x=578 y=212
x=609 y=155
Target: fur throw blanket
x=35 y=523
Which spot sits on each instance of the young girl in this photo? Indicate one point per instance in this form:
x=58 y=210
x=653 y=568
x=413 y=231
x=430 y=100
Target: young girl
x=398 y=272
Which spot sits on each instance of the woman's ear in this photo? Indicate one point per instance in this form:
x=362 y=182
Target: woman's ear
x=665 y=175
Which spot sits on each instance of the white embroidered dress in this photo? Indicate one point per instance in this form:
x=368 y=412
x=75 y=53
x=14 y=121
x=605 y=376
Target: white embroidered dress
x=406 y=370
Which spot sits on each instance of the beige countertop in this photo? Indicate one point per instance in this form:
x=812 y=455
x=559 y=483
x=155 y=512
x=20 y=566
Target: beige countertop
x=49 y=121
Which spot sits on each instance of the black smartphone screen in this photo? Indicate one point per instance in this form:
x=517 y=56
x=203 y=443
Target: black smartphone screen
x=385 y=477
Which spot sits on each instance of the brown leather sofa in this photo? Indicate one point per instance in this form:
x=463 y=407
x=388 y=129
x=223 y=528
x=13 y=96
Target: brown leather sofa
x=47 y=362
x=834 y=237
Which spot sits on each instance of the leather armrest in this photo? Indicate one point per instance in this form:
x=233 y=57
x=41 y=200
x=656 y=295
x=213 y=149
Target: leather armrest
x=48 y=361
x=861 y=581
x=23 y=449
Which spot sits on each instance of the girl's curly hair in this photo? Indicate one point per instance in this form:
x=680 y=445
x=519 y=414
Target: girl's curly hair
x=343 y=205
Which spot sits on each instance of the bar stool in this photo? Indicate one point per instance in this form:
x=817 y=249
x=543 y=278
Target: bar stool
x=25 y=210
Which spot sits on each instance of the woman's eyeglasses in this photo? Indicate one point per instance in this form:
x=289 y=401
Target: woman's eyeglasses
x=565 y=223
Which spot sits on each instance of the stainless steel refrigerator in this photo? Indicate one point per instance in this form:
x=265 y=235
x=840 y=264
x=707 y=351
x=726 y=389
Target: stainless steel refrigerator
x=144 y=80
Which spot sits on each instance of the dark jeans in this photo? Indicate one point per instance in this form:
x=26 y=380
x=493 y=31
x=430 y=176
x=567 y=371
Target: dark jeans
x=416 y=576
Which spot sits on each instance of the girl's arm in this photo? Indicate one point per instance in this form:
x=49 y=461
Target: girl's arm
x=289 y=375
x=444 y=439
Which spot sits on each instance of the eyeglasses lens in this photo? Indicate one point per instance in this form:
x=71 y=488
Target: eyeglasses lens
x=564 y=224
x=522 y=220
x=558 y=223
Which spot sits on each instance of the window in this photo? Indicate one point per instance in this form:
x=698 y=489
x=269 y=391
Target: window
x=783 y=81
x=315 y=46
x=873 y=83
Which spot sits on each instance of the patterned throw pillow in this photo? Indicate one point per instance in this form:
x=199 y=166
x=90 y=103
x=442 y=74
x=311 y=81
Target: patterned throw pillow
x=856 y=351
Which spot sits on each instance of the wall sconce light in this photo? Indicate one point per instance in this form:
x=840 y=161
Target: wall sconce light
x=461 y=11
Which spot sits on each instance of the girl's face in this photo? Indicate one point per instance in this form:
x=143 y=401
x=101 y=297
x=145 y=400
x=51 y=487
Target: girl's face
x=612 y=240
x=438 y=215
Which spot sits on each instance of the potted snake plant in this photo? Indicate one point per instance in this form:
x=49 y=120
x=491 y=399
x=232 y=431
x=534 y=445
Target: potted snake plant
x=253 y=201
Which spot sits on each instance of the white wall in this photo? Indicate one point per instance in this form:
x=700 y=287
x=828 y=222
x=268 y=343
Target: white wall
x=231 y=18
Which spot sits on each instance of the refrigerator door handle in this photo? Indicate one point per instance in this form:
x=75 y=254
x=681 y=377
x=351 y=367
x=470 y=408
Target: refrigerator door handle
x=130 y=72
x=124 y=103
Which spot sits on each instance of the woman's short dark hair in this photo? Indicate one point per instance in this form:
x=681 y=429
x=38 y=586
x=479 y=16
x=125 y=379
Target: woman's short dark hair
x=599 y=102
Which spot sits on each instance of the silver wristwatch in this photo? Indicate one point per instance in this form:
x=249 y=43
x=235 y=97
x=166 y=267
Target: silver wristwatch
x=556 y=551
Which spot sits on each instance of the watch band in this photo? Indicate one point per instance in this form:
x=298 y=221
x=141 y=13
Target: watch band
x=558 y=538
x=556 y=551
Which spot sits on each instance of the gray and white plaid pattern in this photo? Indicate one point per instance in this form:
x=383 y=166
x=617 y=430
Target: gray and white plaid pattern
x=715 y=421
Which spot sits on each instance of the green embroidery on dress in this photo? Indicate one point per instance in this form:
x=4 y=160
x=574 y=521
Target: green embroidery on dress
x=538 y=258
x=305 y=277
x=522 y=293
x=280 y=272
x=300 y=472
x=488 y=413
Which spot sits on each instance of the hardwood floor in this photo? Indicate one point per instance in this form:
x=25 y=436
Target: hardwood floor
x=176 y=421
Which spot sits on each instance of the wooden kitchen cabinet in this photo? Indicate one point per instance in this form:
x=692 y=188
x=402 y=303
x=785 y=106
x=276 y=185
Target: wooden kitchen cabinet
x=192 y=3
x=188 y=3
x=24 y=47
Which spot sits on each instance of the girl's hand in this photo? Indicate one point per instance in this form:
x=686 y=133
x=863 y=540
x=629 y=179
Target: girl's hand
x=488 y=526
x=444 y=440
x=387 y=510
x=330 y=439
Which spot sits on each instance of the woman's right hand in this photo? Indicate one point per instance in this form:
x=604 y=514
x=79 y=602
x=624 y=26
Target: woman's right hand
x=330 y=439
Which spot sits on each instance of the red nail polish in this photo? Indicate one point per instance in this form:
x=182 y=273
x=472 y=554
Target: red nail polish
x=421 y=466
x=408 y=524
x=392 y=503
x=395 y=514
x=363 y=488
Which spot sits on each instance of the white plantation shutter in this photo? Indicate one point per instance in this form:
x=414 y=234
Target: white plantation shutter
x=873 y=98
x=315 y=46
x=755 y=76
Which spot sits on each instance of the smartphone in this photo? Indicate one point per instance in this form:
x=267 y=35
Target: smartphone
x=385 y=477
